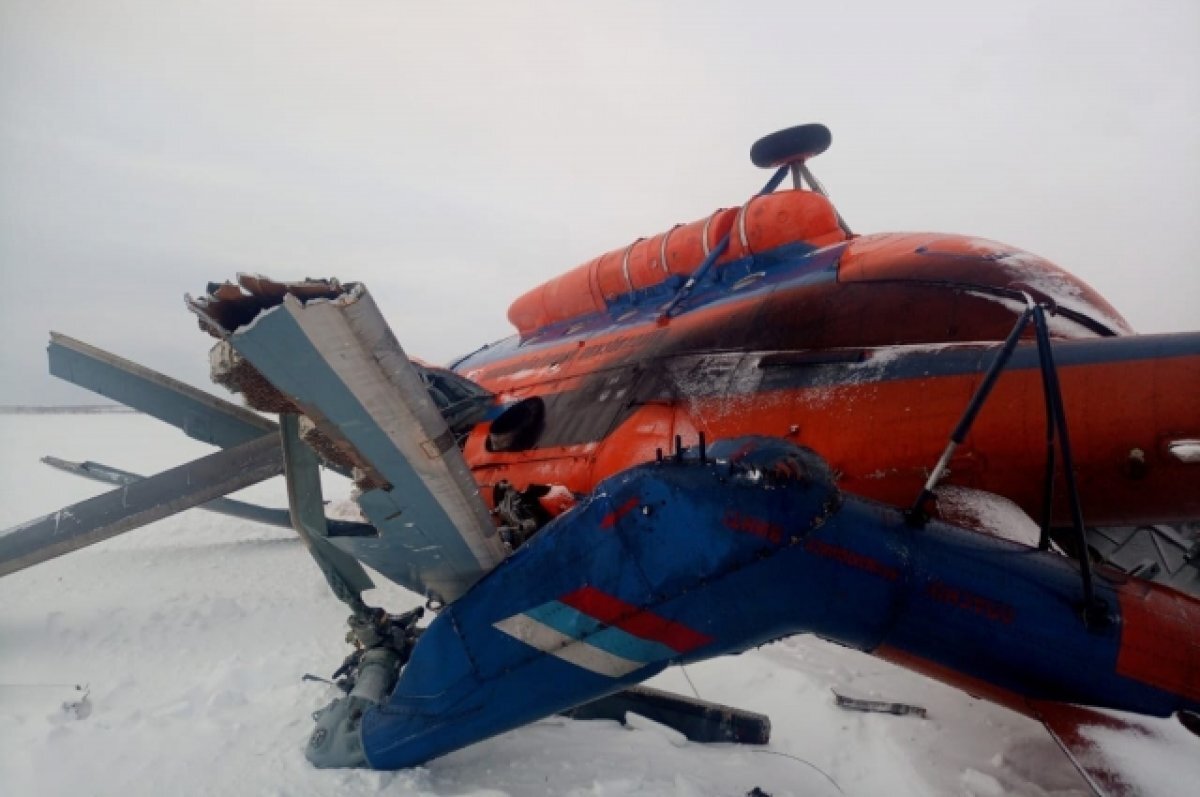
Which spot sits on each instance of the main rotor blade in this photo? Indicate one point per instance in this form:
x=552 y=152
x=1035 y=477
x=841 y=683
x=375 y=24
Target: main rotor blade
x=107 y=474
x=137 y=504
x=343 y=572
x=201 y=416
x=340 y=364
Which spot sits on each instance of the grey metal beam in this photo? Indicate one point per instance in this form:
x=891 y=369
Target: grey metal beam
x=134 y=505
x=201 y=416
x=230 y=507
x=342 y=366
x=107 y=474
x=344 y=574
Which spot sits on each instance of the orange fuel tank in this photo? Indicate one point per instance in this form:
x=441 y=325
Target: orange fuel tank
x=764 y=223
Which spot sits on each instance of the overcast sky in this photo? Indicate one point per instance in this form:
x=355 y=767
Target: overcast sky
x=452 y=155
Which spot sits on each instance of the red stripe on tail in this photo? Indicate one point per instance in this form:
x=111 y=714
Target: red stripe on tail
x=647 y=625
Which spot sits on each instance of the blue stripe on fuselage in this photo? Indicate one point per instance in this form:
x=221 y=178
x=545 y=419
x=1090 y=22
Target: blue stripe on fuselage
x=787 y=266
x=917 y=362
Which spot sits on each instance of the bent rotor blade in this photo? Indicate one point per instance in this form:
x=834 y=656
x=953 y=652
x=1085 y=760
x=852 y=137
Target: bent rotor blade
x=201 y=416
x=135 y=505
x=269 y=516
x=106 y=474
x=338 y=361
x=342 y=572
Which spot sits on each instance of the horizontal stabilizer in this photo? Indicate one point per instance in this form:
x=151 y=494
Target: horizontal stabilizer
x=134 y=505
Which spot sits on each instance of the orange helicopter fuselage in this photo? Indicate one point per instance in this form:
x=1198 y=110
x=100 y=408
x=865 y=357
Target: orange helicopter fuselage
x=866 y=350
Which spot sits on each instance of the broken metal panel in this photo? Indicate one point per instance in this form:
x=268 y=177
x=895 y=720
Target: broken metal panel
x=134 y=505
x=231 y=370
x=226 y=306
x=201 y=416
x=344 y=574
x=1163 y=553
x=343 y=368
x=877 y=706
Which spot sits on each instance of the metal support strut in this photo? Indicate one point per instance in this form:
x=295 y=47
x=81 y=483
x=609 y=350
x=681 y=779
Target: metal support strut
x=1094 y=613
x=917 y=515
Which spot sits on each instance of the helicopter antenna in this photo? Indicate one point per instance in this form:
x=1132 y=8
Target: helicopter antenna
x=792 y=147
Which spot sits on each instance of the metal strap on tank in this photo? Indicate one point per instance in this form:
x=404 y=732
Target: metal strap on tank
x=662 y=249
x=711 y=257
x=625 y=262
x=594 y=284
x=741 y=224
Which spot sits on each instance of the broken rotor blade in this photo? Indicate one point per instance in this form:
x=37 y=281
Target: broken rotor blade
x=340 y=364
x=134 y=505
x=201 y=416
x=223 y=506
x=342 y=571
x=230 y=507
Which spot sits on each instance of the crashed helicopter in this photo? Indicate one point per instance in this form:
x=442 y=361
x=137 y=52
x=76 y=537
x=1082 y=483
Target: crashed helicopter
x=727 y=433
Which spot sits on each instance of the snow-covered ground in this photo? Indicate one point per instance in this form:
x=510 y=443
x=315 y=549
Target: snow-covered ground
x=193 y=635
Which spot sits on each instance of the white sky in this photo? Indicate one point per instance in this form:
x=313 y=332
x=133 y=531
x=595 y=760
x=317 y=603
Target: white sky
x=452 y=155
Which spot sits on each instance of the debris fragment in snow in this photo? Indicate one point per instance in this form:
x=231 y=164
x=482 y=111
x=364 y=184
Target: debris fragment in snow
x=877 y=706
x=81 y=707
